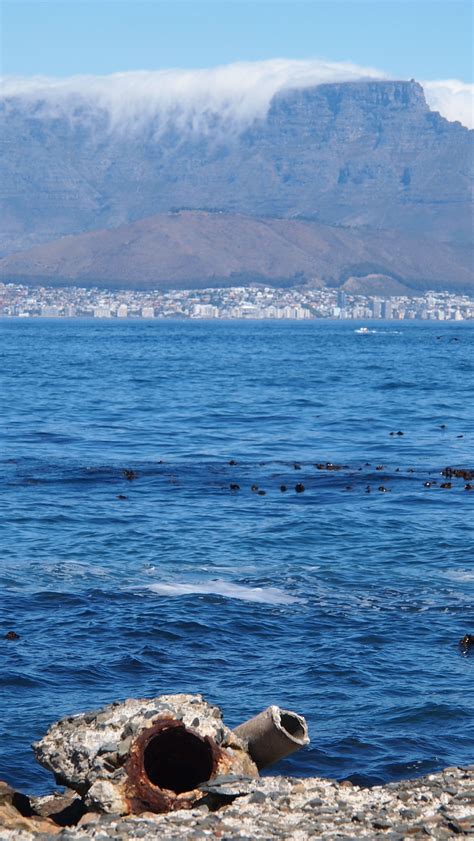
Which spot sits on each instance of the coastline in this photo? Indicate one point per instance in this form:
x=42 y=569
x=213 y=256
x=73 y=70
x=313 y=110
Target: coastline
x=438 y=806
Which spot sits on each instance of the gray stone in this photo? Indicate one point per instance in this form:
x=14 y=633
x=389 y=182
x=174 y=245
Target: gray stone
x=88 y=752
x=257 y=797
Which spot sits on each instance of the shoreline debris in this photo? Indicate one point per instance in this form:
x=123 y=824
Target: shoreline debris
x=154 y=755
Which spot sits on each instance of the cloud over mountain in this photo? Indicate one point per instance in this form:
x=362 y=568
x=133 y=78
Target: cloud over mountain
x=333 y=144
x=226 y=98
x=453 y=99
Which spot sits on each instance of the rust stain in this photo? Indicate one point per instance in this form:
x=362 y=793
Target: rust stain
x=142 y=794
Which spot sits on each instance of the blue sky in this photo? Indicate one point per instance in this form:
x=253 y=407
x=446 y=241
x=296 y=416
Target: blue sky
x=426 y=39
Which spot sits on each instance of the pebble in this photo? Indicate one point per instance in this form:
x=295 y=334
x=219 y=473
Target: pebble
x=293 y=809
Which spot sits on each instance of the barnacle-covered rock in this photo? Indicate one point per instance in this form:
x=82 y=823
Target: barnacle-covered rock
x=148 y=755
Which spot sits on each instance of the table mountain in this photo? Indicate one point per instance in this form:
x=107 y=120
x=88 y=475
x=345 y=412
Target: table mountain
x=366 y=156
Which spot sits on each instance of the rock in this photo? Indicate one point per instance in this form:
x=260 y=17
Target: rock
x=16 y=814
x=64 y=808
x=436 y=806
x=128 y=757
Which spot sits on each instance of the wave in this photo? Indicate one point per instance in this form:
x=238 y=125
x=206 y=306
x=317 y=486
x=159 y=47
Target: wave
x=459 y=574
x=264 y=595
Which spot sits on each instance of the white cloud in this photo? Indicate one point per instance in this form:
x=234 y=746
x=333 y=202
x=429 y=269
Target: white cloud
x=229 y=97
x=189 y=99
x=453 y=99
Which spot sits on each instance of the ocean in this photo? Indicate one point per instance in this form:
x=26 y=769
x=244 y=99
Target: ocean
x=230 y=508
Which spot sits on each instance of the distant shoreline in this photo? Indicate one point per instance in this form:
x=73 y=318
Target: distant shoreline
x=241 y=303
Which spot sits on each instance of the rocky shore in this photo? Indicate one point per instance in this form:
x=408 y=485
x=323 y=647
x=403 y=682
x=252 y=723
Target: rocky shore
x=438 y=806
x=169 y=768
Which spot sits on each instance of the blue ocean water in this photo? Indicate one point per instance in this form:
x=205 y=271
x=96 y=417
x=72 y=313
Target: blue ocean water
x=131 y=568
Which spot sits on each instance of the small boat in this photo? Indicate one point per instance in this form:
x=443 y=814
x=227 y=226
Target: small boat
x=364 y=330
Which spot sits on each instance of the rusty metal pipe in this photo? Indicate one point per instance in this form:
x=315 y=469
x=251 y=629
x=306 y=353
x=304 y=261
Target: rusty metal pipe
x=166 y=764
x=273 y=734
x=178 y=760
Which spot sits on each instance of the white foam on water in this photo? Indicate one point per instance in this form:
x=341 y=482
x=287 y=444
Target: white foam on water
x=263 y=595
x=225 y=568
x=459 y=574
x=74 y=569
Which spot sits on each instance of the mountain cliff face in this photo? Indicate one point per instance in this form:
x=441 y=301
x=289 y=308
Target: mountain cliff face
x=366 y=155
x=371 y=154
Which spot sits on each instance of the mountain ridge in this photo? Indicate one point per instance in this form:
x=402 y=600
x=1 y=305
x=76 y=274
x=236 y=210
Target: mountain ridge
x=365 y=158
x=192 y=249
x=367 y=153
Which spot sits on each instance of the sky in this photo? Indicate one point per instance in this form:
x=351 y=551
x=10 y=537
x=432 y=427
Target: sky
x=424 y=39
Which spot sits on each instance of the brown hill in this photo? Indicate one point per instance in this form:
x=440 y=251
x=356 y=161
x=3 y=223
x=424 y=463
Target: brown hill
x=193 y=249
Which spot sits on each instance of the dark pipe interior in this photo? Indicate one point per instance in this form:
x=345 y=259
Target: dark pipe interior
x=177 y=760
x=292 y=725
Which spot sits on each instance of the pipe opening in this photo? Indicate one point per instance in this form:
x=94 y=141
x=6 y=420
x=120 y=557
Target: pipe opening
x=293 y=725
x=178 y=760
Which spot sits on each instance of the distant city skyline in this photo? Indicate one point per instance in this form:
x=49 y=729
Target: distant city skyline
x=423 y=39
x=233 y=302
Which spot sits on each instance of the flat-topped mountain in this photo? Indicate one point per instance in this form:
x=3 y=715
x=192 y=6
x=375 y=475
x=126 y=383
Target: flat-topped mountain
x=365 y=155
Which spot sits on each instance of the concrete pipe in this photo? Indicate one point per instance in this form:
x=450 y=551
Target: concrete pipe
x=272 y=735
